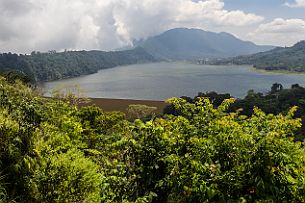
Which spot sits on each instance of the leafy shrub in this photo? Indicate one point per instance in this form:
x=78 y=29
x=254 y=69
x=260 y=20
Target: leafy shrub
x=140 y=111
x=67 y=177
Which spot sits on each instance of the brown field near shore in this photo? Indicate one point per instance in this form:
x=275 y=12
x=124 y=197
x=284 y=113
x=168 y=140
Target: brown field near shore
x=122 y=104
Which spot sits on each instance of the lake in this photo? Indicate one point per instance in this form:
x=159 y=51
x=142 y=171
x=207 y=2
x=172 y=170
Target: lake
x=159 y=81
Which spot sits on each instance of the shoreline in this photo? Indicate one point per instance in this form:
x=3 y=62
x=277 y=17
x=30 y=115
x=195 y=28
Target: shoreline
x=109 y=104
x=258 y=70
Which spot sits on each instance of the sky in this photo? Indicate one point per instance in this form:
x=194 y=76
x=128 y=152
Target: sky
x=42 y=25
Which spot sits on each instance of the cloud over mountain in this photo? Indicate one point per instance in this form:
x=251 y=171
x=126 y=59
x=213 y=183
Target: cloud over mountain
x=94 y=24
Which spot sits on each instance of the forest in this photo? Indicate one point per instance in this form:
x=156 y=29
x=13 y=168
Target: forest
x=51 y=150
x=53 y=66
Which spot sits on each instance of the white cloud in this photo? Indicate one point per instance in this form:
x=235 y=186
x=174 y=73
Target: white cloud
x=28 y=25
x=280 y=32
x=296 y=4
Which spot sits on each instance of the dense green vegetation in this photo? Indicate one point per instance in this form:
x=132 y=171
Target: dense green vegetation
x=277 y=100
x=282 y=59
x=52 y=151
x=52 y=65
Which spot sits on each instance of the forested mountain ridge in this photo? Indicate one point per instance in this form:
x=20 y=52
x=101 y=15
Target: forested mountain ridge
x=52 y=65
x=283 y=59
x=194 y=44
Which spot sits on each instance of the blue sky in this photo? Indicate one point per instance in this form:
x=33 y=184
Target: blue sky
x=270 y=9
x=283 y=24
x=42 y=25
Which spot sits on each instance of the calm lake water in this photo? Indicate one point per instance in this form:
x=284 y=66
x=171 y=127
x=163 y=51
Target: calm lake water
x=158 y=81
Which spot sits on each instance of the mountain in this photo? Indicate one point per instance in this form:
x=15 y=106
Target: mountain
x=53 y=66
x=194 y=44
x=284 y=59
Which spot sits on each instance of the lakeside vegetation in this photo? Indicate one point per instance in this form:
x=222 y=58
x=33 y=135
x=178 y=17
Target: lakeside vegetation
x=277 y=100
x=53 y=151
x=52 y=65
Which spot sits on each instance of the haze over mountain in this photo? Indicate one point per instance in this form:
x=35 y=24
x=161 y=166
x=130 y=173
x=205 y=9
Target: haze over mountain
x=287 y=59
x=193 y=44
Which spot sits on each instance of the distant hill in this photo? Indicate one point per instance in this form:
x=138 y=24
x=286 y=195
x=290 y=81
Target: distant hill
x=53 y=66
x=285 y=59
x=193 y=44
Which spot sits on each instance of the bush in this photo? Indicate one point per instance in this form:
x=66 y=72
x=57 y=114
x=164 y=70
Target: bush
x=67 y=177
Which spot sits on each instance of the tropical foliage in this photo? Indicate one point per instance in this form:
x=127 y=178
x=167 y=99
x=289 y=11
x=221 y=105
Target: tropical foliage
x=277 y=100
x=53 y=151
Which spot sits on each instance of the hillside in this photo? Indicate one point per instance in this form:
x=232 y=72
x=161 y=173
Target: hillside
x=193 y=44
x=52 y=66
x=284 y=59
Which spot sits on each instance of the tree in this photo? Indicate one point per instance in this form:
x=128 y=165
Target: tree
x=276 y=87
x=140 y=111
